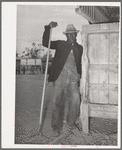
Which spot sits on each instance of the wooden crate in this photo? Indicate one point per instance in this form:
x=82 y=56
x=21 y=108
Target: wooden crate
x=99 y=82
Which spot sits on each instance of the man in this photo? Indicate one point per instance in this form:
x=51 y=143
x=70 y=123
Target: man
x=65 y=75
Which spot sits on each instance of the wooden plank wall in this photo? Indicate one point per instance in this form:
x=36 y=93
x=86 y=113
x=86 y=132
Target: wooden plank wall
x=99 y=83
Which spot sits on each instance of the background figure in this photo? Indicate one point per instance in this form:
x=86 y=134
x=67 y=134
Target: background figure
x=23 y=69
x=17 y=68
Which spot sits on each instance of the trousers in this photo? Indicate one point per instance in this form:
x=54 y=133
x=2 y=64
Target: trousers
x=68 y=85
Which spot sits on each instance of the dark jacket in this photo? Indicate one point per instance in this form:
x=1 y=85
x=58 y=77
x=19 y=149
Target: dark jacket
x=63 y=49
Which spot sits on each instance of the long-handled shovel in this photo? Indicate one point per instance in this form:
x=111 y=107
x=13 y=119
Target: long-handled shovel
x=42 y=113
x=41 y=120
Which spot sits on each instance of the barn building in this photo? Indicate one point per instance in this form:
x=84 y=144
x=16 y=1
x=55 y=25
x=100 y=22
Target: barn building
x=99 y=83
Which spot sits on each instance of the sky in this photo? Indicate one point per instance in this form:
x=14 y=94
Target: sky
x=31 y=20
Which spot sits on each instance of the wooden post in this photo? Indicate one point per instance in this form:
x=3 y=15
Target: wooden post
x=84 y=111
x=20 y=66
x=27 y=63
x=35 y=65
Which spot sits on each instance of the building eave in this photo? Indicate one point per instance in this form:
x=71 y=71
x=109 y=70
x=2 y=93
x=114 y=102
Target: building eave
x=99 y=14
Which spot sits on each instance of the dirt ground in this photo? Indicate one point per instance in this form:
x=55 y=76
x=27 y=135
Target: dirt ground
x=27 y=112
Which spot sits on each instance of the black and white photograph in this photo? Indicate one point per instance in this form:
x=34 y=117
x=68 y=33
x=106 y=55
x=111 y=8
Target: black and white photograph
x=65 y=78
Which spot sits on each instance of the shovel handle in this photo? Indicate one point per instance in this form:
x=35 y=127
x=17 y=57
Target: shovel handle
x=44 y=85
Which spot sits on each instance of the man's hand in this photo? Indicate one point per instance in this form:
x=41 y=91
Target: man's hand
x=53 y=24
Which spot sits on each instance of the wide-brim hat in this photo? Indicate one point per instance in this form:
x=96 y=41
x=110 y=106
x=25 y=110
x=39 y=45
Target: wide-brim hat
x=70 y=29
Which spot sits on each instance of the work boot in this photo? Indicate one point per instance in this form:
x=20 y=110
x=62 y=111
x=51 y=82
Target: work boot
x=54 y=133
x=78 y=124
x=66 y=128
x=76 y=131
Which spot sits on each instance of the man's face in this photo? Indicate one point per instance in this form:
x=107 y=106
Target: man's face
x=71 y=37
